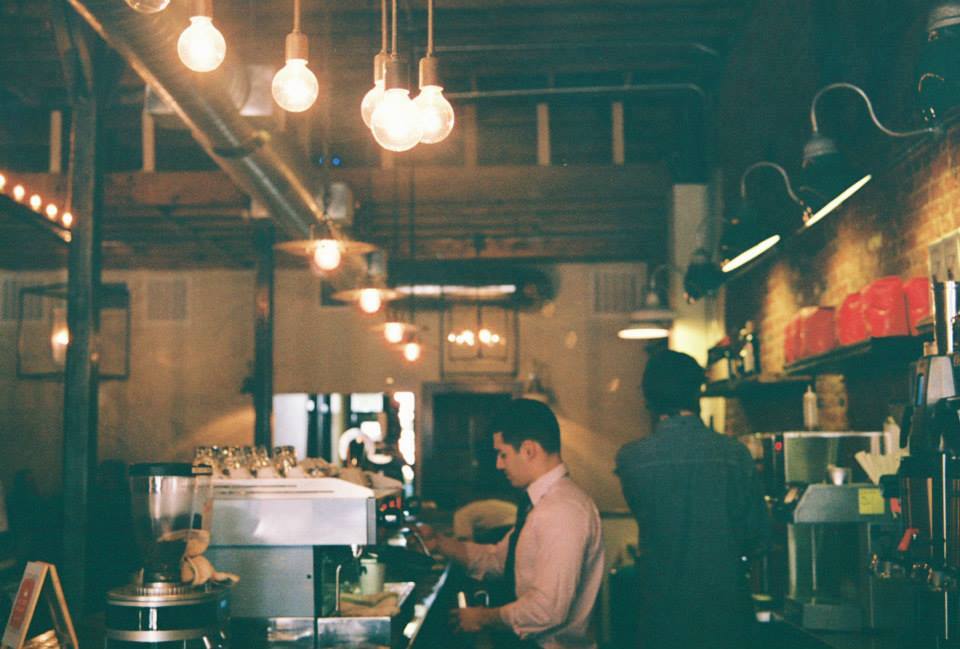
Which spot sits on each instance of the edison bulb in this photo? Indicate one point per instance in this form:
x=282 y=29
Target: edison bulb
x=327 y=255
x=67 y=219
x=295 y=87
x=18 y=193
x=36 y=202
x=201 y=46
x=411 y=351
x=396 y=121
x=436 y=114
x=148 y=6
x=370 y=102
x=51 y=211
x=370 y=301
x=393 y=332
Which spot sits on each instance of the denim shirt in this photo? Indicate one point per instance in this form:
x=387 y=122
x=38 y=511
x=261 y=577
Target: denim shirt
x=699 y=509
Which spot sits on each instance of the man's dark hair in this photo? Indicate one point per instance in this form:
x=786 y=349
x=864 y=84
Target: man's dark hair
x=671 y=383
x=527 y=419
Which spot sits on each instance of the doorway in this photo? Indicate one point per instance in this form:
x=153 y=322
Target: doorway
x=459 y=462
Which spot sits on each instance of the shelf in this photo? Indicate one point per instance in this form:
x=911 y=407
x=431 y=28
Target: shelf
x=757 y=382
x=890 y=351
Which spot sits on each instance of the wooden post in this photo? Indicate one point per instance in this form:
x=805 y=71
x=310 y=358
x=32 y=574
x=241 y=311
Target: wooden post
x=263 y=334
x=616 y=122
x=148 y=138
x=543 y=134
x=56 y=141
x=470 y=135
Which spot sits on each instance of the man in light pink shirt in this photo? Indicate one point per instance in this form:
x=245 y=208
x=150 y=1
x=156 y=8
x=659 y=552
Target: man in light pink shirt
x=553 y=558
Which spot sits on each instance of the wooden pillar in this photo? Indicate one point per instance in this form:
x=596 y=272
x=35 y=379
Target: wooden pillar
x=56 y=141
x=543 y=134
x=616 y=122
x=470 y=135
x=148 y=139
x=263 y=335
x=81 y=386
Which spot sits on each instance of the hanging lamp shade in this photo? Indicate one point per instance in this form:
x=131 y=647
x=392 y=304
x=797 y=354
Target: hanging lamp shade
x=828 y=179
x=746 y=236
x=656 y=317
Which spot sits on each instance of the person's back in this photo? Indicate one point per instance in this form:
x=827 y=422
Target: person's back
x=698 y=507
x=691 y=492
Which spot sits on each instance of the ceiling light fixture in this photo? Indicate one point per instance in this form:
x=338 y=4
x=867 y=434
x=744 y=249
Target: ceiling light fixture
x=325 y=254
x=148 y=6
x=412 y=349
x=201 y=46
x=436 y=113
x=396 y=119
x=655 y=319
x=829 y=181
x=295 y=86
x=746 y=235
x=375 y=94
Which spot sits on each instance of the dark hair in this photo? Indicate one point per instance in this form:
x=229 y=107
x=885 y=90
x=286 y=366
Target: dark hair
x=526 y=419
x=671 y=383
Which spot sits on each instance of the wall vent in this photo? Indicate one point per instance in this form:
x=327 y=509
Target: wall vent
x=10 y=302
x=167 y=300
x=616 y=292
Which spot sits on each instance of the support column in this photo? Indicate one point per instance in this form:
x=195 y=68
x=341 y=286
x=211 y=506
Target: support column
x=263 y=335
x=81 y=388
x=543 y=134
x=617 y=142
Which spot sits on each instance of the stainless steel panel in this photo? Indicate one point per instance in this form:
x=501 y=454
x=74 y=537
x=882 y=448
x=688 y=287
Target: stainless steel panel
x=290 y=521
x=822 y=503
x=274 y=581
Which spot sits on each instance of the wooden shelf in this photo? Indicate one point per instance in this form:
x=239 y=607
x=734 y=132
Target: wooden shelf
x=740 y=386
x=893 y=350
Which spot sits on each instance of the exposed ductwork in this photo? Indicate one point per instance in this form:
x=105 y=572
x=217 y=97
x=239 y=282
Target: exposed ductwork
x=269 y=166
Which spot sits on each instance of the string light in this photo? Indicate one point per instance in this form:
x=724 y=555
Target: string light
x=67 y=220
x=51 y=211
x=3 y=182
x=36 y=202
x=18 y=193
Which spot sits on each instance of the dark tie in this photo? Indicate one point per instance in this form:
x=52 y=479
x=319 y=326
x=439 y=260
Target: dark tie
x=523 y=508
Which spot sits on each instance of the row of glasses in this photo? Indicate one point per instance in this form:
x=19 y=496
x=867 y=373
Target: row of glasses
x=249 y=461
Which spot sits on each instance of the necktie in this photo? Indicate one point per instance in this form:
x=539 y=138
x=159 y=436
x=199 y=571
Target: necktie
x=523 y=508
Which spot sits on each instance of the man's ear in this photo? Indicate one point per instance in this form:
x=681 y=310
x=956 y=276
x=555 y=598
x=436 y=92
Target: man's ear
x=530 y=449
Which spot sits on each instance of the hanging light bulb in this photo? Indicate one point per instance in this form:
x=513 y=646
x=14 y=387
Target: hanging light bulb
x=375 y=94
x=67 y=220
x=396 y=122
x=51 y=211
x=370 y=300
x=393 y=332
x=436 y=113
x=36 y=202
x=18 y=193
x=411 y=350
x=327 y=254
x=3 y=182
x=201 y=46
x=148 y=6
x=295 y=87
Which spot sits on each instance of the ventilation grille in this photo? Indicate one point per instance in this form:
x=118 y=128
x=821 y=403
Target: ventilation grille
x=167 y=300
x=10 y=304
x=617 y=292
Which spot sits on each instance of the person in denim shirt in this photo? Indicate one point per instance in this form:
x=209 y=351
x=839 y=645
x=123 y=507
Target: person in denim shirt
x=700 y=512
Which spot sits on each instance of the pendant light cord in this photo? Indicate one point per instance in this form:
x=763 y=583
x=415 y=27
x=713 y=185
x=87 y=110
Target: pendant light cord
x=296 y=16
x=393 y=43
x=383 y=26
x=429 y=27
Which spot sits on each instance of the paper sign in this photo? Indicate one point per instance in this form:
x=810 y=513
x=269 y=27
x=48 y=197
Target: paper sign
x=870 y=502
x=35 y=582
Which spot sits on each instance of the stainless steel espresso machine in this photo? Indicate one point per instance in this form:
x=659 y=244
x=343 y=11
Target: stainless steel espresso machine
x=171 y=506
x=927 y=487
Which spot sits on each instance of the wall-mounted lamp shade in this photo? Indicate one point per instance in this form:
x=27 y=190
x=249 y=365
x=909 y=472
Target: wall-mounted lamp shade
x=938 y=66
x=828 y=181
x=745 y=238
x=702 y=277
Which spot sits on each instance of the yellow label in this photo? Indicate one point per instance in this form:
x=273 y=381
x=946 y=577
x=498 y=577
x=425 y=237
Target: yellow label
x=870 y=502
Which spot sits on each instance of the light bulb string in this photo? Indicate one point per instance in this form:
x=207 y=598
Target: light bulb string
x=296 y=16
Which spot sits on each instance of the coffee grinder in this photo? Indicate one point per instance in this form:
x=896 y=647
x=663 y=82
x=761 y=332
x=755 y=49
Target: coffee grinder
x=171 y=506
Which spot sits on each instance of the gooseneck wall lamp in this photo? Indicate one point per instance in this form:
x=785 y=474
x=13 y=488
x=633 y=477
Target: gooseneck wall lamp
x=828 y=180
x=748 y=235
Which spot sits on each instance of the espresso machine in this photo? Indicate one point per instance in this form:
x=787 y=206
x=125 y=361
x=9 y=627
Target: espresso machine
x=927 y=487
x=171 y=506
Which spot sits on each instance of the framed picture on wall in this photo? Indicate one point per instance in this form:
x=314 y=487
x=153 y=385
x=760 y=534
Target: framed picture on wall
x=479 y=339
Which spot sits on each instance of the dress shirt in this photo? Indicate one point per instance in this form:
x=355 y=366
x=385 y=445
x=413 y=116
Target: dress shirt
x=559 y=564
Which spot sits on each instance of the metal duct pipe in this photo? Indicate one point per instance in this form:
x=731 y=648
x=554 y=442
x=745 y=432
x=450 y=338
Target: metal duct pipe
x=269 y=166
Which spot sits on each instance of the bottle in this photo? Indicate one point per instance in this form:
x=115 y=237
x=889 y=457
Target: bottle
x=810 y=409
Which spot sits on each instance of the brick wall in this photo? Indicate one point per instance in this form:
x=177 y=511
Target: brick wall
x=883 y=230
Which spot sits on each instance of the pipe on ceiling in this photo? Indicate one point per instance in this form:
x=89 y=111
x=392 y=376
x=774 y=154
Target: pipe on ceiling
x=269 y=166
x=679 y=87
